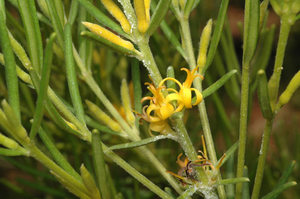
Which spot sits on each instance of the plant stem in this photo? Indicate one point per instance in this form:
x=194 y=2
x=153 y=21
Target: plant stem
x=262 y=159
x=202 y=109
x=46 y=161
x=148 y=61
x=273 y=93
x=242 y=128
x=275 y=78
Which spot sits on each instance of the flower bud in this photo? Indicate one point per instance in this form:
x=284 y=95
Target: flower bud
x=204 y=43
x=89 y=182
x=7 y=142
x=103 y=117
x=106 y=34
x=140 y=12
x=117 y=13
x=126 y=102
x=290 y=90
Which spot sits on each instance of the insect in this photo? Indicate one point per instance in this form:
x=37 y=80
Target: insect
x=187 y=173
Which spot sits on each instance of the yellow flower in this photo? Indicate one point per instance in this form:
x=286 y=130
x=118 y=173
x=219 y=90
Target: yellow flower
x=184 y=96
x=160 y=107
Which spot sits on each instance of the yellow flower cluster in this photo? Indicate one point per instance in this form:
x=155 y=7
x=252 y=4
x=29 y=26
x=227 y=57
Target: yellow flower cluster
x=161 y=105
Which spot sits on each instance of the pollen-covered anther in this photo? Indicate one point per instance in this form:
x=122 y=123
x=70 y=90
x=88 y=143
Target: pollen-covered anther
x=108 y=35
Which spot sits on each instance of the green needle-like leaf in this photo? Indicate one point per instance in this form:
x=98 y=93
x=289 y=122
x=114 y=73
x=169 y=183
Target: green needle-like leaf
x=233 y=180
x=218 y=84
x=10 y=64
x=263 y=95
x=158 y=15
x=228 y=153
x=99 y=165
x=71 y=74
x=141 y=142
x=251 y=28
x=279 y=190
x=216 y=34
x=42 y=93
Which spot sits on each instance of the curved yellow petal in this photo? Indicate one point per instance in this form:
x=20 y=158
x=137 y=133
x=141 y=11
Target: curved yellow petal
x=106 y=34
x=186 y=96
x=165 y=111
x=151 y=108
x=172 y=90
x=171 y=79
x=173 y=97
x=198 y=96
x=146 y=98
x=117 y=13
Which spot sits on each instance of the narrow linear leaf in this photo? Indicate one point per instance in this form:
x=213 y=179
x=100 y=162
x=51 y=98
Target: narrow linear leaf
x=218 y=84
x=279 y=190
x=229 y=152
x=10 y=64
x=263 y=95
x=286 y=174
x=100 y=127
x=233 y=181
x=58 y=119
x=141 y=142
x=33 y=34
x=107 y=43
x=251 y=27
x=102 y=18
x=263 y=52
x=73 y=12
x=134 y=173
x=57 y=156
x=169 y=33
x=216 y=34
x=71 y=74
x=10 y=152
x=158 y=15
x=57 y=25
x=42 y=93
x=99 y=165
x=59 y=7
